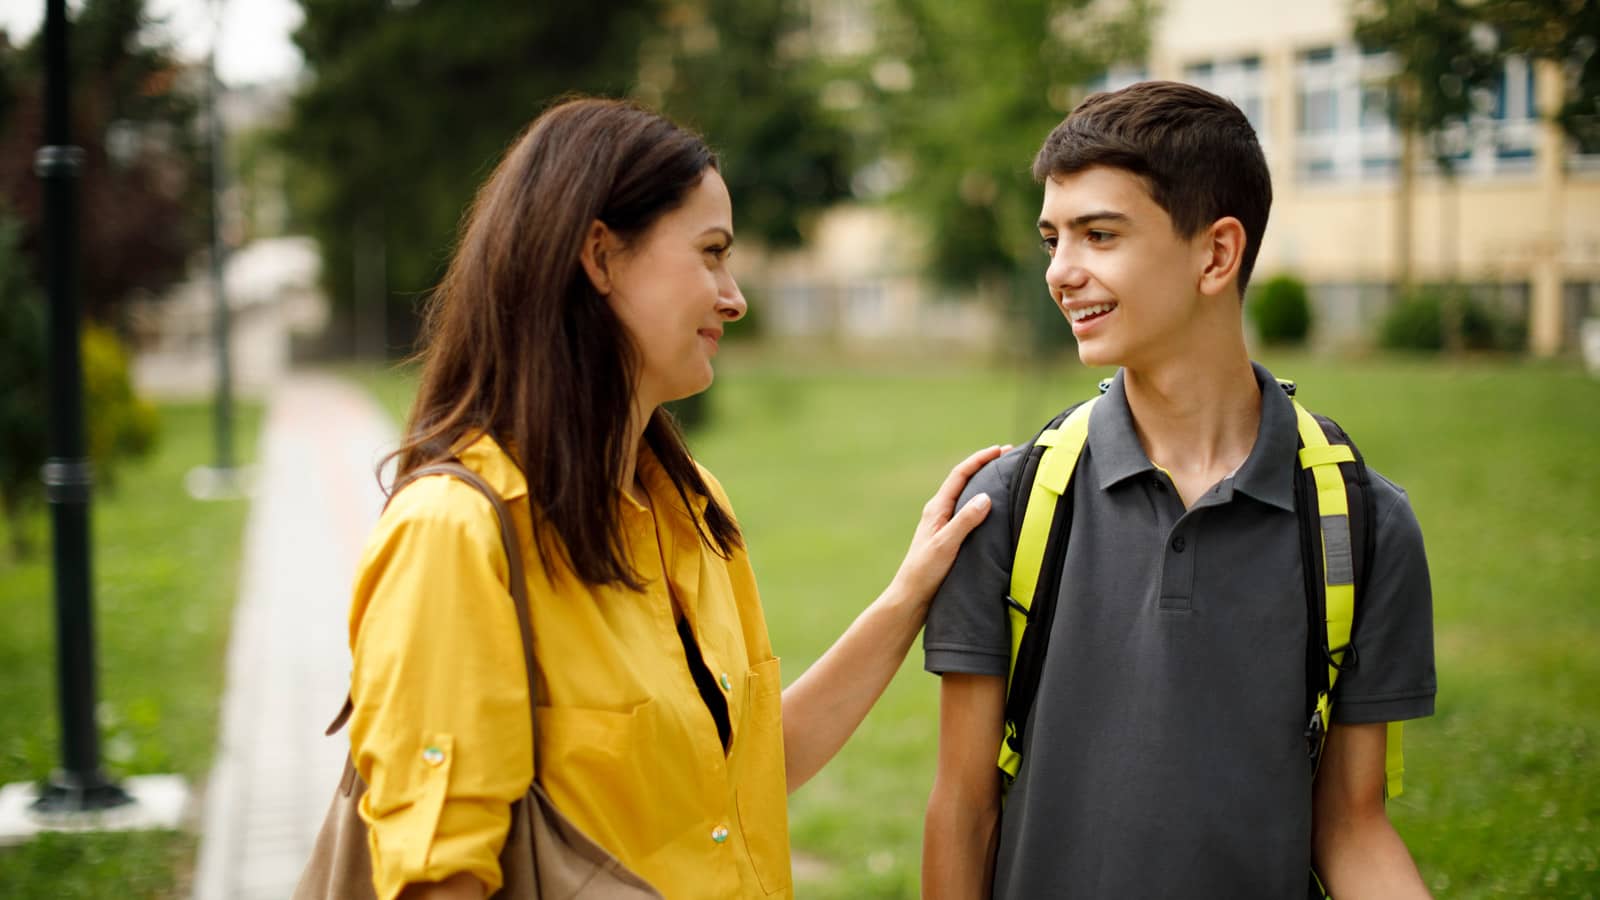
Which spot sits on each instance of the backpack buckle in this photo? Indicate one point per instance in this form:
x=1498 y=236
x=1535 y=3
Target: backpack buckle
x=1314 y=735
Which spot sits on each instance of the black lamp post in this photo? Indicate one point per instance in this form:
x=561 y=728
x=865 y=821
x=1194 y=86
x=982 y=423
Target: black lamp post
x=79 y=785
x=223 y=406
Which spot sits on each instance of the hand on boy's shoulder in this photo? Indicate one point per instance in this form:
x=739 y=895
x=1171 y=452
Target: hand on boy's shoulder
x=995 y=479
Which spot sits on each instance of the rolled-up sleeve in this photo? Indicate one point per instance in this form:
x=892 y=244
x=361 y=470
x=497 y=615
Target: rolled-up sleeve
x=440 y=732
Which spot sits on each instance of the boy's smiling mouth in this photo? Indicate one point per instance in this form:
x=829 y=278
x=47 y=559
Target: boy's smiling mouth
x=1090 y=312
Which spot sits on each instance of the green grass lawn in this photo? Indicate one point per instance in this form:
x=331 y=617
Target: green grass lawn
x=828 y=466
x=165 y=572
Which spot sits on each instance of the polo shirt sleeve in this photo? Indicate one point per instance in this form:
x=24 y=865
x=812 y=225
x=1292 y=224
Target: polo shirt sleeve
x=1394 y=675
x=967 y=629
x=440 y=732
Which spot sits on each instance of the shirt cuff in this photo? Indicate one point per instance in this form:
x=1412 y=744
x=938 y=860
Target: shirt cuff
x=1359 y=711
x=940 y=659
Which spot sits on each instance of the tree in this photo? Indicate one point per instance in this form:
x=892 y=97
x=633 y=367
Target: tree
x=1565 y=32
x=119 y=425
x=980 y=88
x=134 y=119
x=407 y=108
x=1449 y=50
x=728 y=69
x=22 y=404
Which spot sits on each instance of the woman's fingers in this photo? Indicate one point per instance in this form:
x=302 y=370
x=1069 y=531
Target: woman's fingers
x=961 y=525
x=950 y=490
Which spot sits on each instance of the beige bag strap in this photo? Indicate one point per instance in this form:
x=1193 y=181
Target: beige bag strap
x=519 y=582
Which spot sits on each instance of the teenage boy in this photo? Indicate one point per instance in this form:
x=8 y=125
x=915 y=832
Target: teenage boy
x=1165 y=755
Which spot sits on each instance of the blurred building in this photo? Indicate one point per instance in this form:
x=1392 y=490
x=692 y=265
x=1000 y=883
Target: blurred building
x=1519 y=223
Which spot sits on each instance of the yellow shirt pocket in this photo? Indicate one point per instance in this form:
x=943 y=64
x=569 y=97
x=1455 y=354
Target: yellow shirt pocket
x=762 y=791
x=601 y=768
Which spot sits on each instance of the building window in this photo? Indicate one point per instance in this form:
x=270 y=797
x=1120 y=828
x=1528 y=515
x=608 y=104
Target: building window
x=801 y=308
x=865 y=312
x=1116 y=78
x=1580 y=301
x=1342 y=107
x=1240 y=80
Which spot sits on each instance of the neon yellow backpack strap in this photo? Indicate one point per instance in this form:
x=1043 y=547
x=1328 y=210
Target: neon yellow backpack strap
x=1062 y=447
x=1338 y=573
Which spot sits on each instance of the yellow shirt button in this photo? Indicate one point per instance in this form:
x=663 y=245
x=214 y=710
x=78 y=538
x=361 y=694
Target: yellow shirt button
x=433 y=756
x=719 y=834
x=726 y=684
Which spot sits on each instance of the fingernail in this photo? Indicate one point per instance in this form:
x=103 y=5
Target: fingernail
x=980 y=501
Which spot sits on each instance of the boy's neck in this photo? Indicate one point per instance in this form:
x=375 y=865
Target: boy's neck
x=1196 y=416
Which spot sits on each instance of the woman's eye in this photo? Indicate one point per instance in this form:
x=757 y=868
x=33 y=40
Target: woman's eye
x=720 y=251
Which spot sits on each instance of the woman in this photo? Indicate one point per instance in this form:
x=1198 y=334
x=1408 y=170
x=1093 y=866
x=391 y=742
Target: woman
x=590 y=286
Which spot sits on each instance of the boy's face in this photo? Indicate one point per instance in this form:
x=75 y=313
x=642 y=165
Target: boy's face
x=1121 y=275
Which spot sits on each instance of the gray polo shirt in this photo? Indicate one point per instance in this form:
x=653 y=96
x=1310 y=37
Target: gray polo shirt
x=1165 y=754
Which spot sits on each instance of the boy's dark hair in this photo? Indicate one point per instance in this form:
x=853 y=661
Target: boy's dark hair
x=1196 y=152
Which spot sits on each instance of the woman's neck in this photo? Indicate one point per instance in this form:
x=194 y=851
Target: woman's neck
x=628 y=481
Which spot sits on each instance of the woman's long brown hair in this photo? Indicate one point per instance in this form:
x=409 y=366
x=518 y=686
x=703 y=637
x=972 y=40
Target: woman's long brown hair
x=518 y=344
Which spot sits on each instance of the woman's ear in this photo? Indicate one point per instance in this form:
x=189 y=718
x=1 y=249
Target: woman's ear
x=1224 y=253
x=600 y=247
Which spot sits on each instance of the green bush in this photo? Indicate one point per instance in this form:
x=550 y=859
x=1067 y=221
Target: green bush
x=1281 y=310
x=119 y=425
x=1416 y=322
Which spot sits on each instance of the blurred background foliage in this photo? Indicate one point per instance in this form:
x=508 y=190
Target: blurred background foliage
x=408 y=107
x=144 y=184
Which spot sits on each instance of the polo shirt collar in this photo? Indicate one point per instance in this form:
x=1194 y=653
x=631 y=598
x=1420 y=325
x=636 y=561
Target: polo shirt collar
x=1267 y=474
x=1118 y=455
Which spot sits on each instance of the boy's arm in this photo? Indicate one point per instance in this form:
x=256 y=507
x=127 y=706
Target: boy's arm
x=1355 y=849
x=962 y=828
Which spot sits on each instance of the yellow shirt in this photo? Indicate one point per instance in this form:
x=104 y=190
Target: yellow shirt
x=626 y=745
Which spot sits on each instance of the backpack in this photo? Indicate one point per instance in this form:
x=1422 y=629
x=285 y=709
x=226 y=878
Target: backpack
x=1334 y=507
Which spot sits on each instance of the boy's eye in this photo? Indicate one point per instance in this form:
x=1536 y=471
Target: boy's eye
x=1097 y=236
x=1048 y=245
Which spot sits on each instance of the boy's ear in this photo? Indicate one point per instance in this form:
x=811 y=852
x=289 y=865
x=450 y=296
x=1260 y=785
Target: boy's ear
x=1223 y=249
x=600 y=248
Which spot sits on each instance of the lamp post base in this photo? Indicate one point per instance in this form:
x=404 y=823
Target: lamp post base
x=141 y=802
x=71 y=793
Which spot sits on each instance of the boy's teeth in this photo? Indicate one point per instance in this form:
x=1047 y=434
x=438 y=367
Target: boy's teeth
x=1078 y=315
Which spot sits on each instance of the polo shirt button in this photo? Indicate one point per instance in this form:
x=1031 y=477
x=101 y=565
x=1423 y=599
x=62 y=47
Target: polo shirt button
x=719 y=834
x=726 y=684
x=1178 y=544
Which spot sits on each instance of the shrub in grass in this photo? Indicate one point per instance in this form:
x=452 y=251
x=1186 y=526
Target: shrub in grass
x=1416 y=322
x=118 y=425
x=1281 y=311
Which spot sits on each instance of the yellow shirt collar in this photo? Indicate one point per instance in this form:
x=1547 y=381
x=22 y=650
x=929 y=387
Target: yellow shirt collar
x=484 y=455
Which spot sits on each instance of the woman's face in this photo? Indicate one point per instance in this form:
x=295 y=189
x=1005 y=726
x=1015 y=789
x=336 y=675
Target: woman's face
x=673 y=292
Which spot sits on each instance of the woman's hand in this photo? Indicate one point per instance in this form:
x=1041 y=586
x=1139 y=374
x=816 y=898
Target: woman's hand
x=826 y=703
x=942 y=529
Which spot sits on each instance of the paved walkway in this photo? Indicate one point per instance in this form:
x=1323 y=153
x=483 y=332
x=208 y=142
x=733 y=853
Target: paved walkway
x=289 y=662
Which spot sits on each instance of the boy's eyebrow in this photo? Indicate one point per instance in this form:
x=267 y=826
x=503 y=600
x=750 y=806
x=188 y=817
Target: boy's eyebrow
x=1100 y=215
